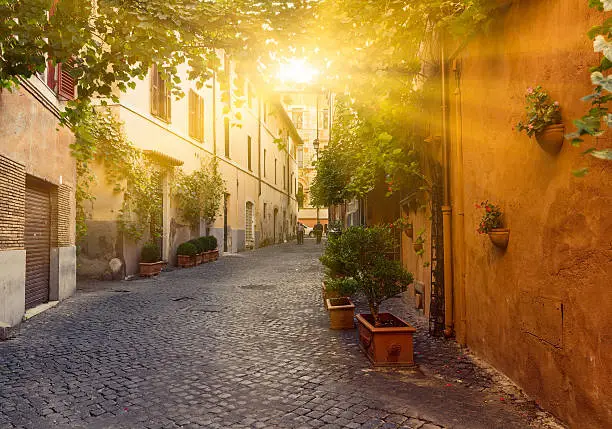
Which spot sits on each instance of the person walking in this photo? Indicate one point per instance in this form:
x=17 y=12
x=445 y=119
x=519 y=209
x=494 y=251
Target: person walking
x=300 y=233
x=318 y=230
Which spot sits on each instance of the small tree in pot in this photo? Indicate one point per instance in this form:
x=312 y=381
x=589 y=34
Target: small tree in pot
x=358 y=258
x=150 y=260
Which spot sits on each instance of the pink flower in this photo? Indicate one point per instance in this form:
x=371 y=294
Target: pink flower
x=530 y=126
x=556 y=103
x=530 y=90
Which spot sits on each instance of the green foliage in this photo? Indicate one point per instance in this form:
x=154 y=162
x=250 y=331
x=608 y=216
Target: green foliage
x=100 y=138
x=207 y=243
x=199 y=194
x=150 y=253
x=198 y=244
x=541 y=112
x=357 y=261
x=598 y=119
x=491 y=218
x=187 y=249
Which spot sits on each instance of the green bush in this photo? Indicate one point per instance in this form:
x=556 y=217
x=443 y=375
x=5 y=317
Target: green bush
x=357 y=262
x=150 y=253
x=198 y=245
x=187 y=249
x=204 y=243
x=213 y=242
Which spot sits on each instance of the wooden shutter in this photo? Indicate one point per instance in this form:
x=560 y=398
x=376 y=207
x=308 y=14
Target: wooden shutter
x=65 y=82
x=51 y=76
x=154 y=91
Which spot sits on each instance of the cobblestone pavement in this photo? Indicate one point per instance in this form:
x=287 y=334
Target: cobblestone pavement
x=239 y=343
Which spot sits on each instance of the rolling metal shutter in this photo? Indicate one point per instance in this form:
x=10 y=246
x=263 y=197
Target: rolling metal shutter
x=38 y=245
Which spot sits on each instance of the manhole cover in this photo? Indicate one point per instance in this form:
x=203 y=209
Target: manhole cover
x=258 y=287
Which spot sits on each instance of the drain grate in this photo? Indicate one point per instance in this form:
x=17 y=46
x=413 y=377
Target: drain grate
x=183 y=298
x=258 y=287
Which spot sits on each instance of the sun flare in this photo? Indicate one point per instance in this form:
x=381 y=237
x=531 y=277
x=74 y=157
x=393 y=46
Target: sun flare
x=297 y=70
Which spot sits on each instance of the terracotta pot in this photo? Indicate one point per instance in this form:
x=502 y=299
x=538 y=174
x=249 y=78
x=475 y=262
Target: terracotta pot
x=206 y=257
x=327 y=294
x=215 y=254
x=198 y=259
x=149 y=269
x=341 y=313
x=185 y=261
x=409 y=232
x=500 y=237
x=386 y=346
x=551 y=138
x=417 y=247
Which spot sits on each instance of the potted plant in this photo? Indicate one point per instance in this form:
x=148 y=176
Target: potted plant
x=543 y=120
x=417 y=245
x=199 y=248
x=205 y=246
x=213 y=249
x=332 y=259
x=186 y=255
x=385 y=338
x=341 y=313
x=150 y=260
x=491 y=224
x=405 y=225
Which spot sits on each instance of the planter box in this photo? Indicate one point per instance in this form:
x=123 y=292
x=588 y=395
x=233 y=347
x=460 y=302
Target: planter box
x=185 y=261
x=198 y=259
x=500 y=237
x=148 y=269
x=386 y=346
x=328 y=295
x=215 y=254
x=341 y=313
x=205 y=257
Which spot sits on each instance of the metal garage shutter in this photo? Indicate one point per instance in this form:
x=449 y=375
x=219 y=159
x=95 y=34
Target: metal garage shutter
x=38 y=245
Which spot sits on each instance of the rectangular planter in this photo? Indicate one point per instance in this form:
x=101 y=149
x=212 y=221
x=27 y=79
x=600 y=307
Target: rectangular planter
x=185 y=261
x=386 y=346
x=198 y=259
x=327 y=295
x=341 y=313
x=215 y=254
x=150 y=269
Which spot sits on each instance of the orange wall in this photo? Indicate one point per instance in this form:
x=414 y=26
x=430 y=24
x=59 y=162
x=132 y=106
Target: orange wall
x=541 y=311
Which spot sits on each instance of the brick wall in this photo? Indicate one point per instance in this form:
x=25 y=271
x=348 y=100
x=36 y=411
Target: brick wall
x=12 y=204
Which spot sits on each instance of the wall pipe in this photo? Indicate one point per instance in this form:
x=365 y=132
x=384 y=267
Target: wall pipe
x=446 y=208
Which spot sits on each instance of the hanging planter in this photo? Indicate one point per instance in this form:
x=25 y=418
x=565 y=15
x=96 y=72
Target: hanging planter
x=551 y=138
x=499 y=237
x=417 y=246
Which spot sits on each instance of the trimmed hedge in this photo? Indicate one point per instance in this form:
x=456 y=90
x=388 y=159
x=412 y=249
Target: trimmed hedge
x=150 y=253
x=187 y=249
x=198 y=245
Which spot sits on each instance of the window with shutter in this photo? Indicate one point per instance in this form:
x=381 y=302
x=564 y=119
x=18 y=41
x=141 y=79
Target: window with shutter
x=196 y=116
x=226 y=126
x=160 y=96
x=65 y=82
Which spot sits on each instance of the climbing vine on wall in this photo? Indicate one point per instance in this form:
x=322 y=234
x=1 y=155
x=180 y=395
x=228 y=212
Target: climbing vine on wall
x=199 y=193
x=100 y=139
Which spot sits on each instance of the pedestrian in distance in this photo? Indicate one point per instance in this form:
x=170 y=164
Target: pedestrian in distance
x=300 y=233
x=318 y=230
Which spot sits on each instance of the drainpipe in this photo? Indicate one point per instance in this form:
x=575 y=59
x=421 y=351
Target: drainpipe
x=459 y=249
x=446 y=208
x=214 y=113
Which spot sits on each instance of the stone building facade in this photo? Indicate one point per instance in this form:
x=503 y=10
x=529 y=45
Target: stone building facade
x=256 y=157
x=540 y=309
x=37 y=183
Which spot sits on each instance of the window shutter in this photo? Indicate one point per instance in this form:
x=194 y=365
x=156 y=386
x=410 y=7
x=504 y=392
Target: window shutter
x=51 y=76
x=201 y=118
x=154 y=91
x=168 y=102
x=65 y=82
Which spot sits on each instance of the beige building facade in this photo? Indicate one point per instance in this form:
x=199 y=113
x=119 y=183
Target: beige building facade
x=256 y=156
x=311 y=115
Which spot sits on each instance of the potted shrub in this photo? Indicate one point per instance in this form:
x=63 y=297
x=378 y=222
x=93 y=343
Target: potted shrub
x=199 y=250
x=150 y=260
x=186 y=255
x=332 y=259
x=214 y=250
x=491 y=224
x=405 y=225
x=385 y=338
x=543 y=120
x=205 y=246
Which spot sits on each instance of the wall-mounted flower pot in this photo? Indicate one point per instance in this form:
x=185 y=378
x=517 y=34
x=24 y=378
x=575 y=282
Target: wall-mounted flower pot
x=341 y=313
x=185 y=261
x=417 y=247
x=389 y=345
x=499 y=237
x=149 y=269
x=551 y=138
x=409 y=232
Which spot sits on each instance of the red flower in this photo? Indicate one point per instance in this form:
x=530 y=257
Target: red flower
x=488 y=209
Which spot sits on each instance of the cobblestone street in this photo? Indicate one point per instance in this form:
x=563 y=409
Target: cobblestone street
x=240 y=343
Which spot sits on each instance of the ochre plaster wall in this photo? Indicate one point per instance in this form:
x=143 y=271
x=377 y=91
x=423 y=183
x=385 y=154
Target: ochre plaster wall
x=541 y=311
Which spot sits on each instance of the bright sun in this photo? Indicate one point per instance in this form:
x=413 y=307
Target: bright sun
x=297 y=71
